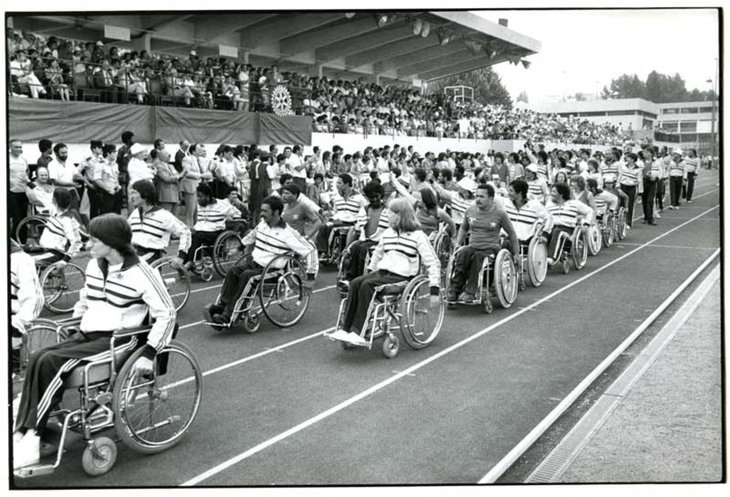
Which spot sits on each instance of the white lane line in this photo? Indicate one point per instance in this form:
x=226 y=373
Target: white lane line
x=375 y=388
x=543 y=425
x=552 y=468
x=682 y=247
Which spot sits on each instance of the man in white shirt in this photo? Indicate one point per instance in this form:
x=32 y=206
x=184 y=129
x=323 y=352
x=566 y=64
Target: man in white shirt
x=298 y=168
x=18 y=181
x=40 y=193
x=137 y=168
x=63 y=174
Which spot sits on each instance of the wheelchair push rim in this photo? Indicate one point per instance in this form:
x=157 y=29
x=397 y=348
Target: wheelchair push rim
x=227 y=250
x=419 y=323
x=39 y=335
x=282 y=294
x=579 y=250
x=29 y=230
x=537 y=266
x=153 y=413
x=176 y=279
x=61 y=286
x=505 y=275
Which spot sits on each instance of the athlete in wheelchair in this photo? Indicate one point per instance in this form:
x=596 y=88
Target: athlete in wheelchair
x=567 y=239
x=606 y=208
x=529 y=218
x=346 y=205
x=128 y=376
x=620 y=225
x=274 y=279
x=394 y=295
x=362 y=238
x=209 y=248
x=471 y=267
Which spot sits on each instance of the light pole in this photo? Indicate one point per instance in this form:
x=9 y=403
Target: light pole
x=713 y=96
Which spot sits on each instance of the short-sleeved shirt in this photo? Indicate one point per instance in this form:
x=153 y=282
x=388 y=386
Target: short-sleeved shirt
x=485 y=227
x=61 y=172
x=18 y=174
x=298 y=214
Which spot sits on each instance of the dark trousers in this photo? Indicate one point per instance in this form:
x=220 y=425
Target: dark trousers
x=323 y=235
x=647 y=199
x=690 y=185
x=199 y=239
x=104 y=203
x=554 y=244
x=630 y=192
x=675 y=189
x=361 y=293
x=661 y=187
x=47 y=368
x=235 y=283
x=17 y=209
x=358 y=252
x=467 y=267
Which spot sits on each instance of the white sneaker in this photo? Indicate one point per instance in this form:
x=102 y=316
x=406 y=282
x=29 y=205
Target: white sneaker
x=26 y=451
x=337 y=335
x=356 y=339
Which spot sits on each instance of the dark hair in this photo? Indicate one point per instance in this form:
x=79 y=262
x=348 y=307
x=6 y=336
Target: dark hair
x=62 y=197
x=292 y=188
x=157 y=142
x=192 y=148
x=126 y=136
x=373 y=188
x=285 y=177
x=205 y=190
x=520 y=186
x=563 y=190
x=107 y=149
x=146 y=190
x=489 y=188
x=319 y=176
x=45 y=145
x=429 y=199
x=447 y=175
x=110 y=226
x=154 y=153
x=592 y=184
x=275 y=203
x=420 y=173
x=579 y=181
x=59 y=146
x=96 y=144
x=346 y=178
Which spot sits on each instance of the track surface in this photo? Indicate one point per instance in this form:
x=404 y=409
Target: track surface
x=287 y=407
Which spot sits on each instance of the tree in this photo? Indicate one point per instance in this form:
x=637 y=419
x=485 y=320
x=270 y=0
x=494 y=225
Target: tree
x=487 y=85
x=625 y=86
x=659 y=88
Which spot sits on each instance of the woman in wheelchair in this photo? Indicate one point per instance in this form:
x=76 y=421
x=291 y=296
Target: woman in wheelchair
x=565 y=213
x=271 y=238
x=120 y=292
x=212 y=217
x=152 y=225
x=397 y=258
x=61 y=238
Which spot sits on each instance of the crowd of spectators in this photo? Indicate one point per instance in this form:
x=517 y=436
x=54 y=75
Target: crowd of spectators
x=51 y=67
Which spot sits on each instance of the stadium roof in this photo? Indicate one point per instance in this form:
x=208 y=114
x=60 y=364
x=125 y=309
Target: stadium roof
x=344 y=45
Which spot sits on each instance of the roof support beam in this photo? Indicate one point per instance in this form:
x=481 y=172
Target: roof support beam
x=215 y=25
x=429 y=53
x=311 y=40
x=402 y=47
x=366 y=42
x=461 y=67
x=431 y=65
x=283 y=26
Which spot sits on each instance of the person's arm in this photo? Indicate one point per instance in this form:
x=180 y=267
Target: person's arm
x=82 y=305
x=232 y=213
x=463 y=231
x=507 y=226
x=402 y=191
x=72 y=230
x=443 y=193
x=584 y=211
x=165 y=176
x=180 y=229
x=32 y=197
x=161 y=311
x=190 y=171
x=430 y=260
x=377 y=255
x=545 y=191
x=250 y=237
x=30 y=293
x=446 y=219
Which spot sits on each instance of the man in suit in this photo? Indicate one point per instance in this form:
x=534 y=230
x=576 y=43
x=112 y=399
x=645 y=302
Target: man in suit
x=104 y=80
x=181 y=154
x=193 y=174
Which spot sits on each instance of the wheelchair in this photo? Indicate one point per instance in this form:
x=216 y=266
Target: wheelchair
x=504 y=284
x=443 y=245
x=533 y=259
x=573 y=248
x=607 y=225
x=29 y=230
x=403 y=307
x=336 y=244
x=39 y=334
x=594 y=237
x=61 y=284
x=150 y=414
x=279 y=293
x=225 y=252
x=345 y=258
x=620 y=224
x=176 y=279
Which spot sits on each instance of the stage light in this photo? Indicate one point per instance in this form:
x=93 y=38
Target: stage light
x=349 y=15
x=417 y=27
x=381 y=20
x=426 y=29
x=526 y=64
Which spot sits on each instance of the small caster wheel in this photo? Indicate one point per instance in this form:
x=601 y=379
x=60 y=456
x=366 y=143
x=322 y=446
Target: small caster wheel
x=487 y=302
x=391 y=346
x=523 y=285
x=566 y=266
x=99 y=456
x=251 y=323
x=206 y=274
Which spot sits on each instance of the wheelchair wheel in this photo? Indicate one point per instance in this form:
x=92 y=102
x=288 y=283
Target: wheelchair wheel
x=609 y=232
x=579 y=252
x=391 y=345
x=505 y=275
x=282 y=294
x=152 y=413
x=251 y=322
x=419 y=324
x=443 y=246
x=99 y=457
x=341 y=270
x=566 y=266
x=40 y=334
x=227 y=251
x=594 y=240
x=621 y=223
x=537 y=265
x=29 y=230
x=176 y=279
x=61 y=286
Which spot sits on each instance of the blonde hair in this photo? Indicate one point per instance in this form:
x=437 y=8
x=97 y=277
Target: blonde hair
x=406 y=216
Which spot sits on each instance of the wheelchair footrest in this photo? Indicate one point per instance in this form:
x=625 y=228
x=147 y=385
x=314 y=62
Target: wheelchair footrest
x=34 y=470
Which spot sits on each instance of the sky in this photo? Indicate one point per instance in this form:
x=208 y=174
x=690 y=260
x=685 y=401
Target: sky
x=582 y=51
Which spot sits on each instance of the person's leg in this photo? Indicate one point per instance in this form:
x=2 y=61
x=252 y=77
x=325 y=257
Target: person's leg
x=650 y=189
x=690 y=186
x=358 y=253
x=461 y=268
x=243 y=286
x=365 y=295
x=475 y=270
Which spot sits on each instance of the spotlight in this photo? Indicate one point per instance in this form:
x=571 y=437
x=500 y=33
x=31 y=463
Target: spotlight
x=426 y=29
x=349 y=15
x=381 y=19
x=417 y=27
x=444 y=37
x=526 y=64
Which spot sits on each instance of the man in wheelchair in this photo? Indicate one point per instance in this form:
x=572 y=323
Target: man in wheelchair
x=61 y=238
x=565 y=213
x=606 y=202
x=212 y=216
x=271 y=238
x=346 y=206
x=397 y=258
x=121 y=291
x=482 y=223
x=152 y=225
x=524 y=213
x=372 y=221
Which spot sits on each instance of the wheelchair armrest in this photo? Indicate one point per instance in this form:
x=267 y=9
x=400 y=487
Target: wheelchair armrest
x=137 y=330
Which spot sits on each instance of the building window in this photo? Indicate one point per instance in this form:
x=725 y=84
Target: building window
x=670 y=111
x=669 y=125
x=705 y=109
x=619 y=113
x=688 y=127
x=689 y=110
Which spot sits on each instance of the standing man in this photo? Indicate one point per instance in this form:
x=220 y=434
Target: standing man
x=181 y=154
x=18 y=178
x=123 y=157
x=297 y=168
x=677 y=178
x=260 y=185
x=106 y=180
x=46 y=148
x=691 y=167
x=651 y=176
x=65 y=175
x=193 y=173
x=88 y=170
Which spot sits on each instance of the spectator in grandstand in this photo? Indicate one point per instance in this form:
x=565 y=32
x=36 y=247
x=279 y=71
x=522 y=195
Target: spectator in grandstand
x=21 y=72
x=54 y=75
x=168 y=182
x=18 y=181
x=104 y=80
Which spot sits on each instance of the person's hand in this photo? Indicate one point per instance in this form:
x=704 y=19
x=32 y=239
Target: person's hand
x=18 y=324
x=143 y=366
x=178 y=260
x=61 y=264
